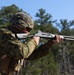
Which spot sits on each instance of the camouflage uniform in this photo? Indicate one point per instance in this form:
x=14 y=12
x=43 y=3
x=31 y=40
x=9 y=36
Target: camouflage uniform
x=13 y=52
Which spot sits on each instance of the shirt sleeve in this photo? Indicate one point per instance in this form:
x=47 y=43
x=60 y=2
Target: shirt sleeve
x=41 y=51
x=28 y=48
x=25 y=50
x=16 y=49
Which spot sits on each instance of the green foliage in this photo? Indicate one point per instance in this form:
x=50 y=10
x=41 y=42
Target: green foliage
x=44 y=21
x=6 y=13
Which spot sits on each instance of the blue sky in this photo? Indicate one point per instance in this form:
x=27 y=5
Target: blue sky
x=59 y=9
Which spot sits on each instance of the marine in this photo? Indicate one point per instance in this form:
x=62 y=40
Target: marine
x=13 y=52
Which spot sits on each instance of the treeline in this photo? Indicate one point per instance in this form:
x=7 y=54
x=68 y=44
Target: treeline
x=60 y=60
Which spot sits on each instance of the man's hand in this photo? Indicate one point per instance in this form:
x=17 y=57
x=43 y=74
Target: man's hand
x=57 y=40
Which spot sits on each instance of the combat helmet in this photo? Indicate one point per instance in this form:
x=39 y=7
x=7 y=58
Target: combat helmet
x=22 y=20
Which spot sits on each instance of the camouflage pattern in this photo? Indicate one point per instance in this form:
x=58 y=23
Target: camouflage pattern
x=10 y=47
x=22 y=20
x=13 y=50
x=14 y=47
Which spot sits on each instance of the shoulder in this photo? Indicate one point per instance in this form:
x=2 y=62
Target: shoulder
x=5 y=30
x=5 y=34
